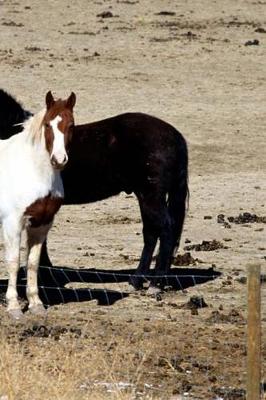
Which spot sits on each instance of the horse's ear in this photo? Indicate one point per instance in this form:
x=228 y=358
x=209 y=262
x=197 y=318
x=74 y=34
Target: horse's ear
x=71 y=101
x=49 y=100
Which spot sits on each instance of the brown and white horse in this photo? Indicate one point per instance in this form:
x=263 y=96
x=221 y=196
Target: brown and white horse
x=31 y=190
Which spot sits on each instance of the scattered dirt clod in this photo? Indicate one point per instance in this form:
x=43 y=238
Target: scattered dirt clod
x=42 y=331
x=195 y=302
x=166 y=13
x=246 y=218
x=233 y=317
x=230 y=393
x=206 y=245
x=254 y=42
x=105 y=14
x=185 y=259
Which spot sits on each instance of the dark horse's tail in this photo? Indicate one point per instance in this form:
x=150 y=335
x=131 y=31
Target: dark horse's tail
x=178 y=194
x=12 y=115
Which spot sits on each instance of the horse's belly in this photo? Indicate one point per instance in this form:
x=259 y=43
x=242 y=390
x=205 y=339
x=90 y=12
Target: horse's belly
x=90 y=190
x=89 y=196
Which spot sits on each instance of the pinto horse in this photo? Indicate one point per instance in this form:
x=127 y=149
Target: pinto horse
x=31 y=190
x=136 y=153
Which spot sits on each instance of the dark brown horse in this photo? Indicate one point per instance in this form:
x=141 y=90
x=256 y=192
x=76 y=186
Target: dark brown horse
x=136 y=153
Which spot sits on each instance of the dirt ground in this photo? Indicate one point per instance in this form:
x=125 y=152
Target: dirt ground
x=200 y=65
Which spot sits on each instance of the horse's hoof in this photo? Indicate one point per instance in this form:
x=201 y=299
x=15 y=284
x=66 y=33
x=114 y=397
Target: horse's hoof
x=153 y=290
x=37 y=309
x=136 y=282
x=15 y=313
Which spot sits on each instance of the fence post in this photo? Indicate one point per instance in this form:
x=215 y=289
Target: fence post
x=254 y=332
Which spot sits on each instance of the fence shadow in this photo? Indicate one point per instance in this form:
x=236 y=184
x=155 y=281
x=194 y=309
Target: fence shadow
x=52 y=281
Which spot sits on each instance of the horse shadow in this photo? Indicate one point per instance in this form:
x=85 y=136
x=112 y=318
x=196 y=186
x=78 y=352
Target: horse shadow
x=52 y=282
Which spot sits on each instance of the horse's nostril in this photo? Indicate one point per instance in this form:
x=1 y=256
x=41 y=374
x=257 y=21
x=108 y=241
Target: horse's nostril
x=59 y=163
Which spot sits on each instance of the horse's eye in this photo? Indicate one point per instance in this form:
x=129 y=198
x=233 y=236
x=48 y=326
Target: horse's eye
x=47 y=125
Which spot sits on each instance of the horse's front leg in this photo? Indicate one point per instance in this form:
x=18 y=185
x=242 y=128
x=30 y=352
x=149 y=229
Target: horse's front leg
x=12 y=227
x=36 y=237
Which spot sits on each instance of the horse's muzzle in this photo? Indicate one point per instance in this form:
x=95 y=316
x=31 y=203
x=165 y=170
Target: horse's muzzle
x=59 y=164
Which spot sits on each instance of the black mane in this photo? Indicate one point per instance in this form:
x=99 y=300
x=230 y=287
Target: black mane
x=11 y=113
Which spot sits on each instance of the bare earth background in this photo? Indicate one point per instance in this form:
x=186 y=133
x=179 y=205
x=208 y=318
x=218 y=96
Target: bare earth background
x=192 y=69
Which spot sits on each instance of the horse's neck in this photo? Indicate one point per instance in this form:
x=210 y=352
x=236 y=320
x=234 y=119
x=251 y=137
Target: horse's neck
x=39 y=155
x=30 y=150
x=33 y=135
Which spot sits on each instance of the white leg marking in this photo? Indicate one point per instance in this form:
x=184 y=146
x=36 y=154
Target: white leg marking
x=12 y=227
x=36 y=237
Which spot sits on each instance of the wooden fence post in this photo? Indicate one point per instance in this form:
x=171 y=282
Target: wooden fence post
x=254 y=332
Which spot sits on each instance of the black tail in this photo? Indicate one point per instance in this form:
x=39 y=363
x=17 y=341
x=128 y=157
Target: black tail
x=11 y=114
x=178 y=196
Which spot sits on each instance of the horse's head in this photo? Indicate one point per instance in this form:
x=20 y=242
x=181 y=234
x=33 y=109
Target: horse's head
x=58 y=125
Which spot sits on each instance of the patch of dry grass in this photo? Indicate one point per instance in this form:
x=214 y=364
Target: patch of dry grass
x=66 y=367
x=39 y=372
x=106 y=357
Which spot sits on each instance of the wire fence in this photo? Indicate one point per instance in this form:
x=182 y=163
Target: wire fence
x=53 y=281
x=57 y=285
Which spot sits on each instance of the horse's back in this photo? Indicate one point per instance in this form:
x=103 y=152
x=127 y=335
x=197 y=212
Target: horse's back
x=119 y=154
x=157 y=150
x=134 y=132
x=141 y=139
x=146 y=131
x=138 y=125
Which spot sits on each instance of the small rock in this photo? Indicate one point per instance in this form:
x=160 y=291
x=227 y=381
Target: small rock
x=195 y=302
x=260 y=30
x=220 y=218
x=227 y=225
x=105 y=14
x=166 y=13
x=254 y=42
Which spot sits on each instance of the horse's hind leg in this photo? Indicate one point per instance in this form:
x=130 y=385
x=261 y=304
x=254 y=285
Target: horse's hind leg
x=164 y=257
x=12 y=237
x=150 y=213
x=171 y=234
x=45 y=259
x=36 y=237
x=150 y=239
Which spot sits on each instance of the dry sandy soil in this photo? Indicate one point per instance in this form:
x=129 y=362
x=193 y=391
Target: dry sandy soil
x=193 y=68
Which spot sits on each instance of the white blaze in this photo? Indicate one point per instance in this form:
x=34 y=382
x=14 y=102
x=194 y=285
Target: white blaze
x=58 y=151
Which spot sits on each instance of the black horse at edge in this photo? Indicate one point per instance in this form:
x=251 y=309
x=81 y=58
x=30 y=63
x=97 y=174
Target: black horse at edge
x=135 y=153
